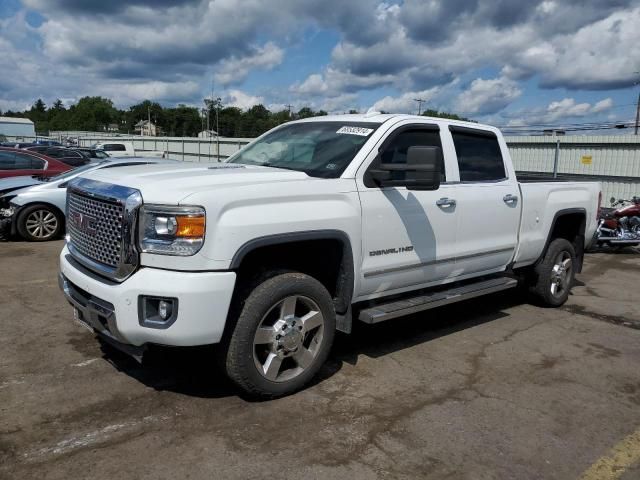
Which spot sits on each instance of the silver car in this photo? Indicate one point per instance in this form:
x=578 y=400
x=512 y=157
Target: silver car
x=36 y=212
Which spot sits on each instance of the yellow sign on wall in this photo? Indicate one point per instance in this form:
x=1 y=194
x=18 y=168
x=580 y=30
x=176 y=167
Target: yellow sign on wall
x=587 y=160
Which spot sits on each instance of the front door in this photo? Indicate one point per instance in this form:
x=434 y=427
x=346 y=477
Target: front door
x=408 y=236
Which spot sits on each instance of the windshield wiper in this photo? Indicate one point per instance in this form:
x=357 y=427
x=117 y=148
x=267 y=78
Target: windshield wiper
x=267 y=164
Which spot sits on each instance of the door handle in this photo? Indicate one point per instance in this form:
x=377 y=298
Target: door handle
x=510 y=198
x=446 y=202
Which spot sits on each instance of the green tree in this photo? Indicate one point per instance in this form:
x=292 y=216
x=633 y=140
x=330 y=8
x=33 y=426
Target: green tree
x=437 y=114
x=92 y=114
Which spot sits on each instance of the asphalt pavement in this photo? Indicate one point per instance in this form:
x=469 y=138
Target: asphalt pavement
x=494 y=388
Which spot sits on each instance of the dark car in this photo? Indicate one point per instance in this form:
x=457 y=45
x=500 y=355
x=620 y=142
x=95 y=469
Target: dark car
x=70 y=156
x=15 y=162
x=50 y=143
x=19 y=144
x=92 y=152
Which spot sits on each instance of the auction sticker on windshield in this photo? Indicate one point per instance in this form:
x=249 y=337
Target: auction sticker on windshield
x=363 y=132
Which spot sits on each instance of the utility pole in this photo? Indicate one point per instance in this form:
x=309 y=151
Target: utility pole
x=420 y=102
x=637 y=115
x=638 y=106
x=218 y=101
x=289 y=109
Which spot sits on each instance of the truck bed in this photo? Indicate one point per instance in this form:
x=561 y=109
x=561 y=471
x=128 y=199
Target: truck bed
x=543 y=199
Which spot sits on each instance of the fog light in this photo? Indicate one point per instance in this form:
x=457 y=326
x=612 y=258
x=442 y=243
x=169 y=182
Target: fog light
x=164 y=309
x=157 y=312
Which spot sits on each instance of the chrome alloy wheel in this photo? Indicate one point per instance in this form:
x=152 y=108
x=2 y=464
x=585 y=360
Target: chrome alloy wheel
x=288 y=338
x=41 y=224
x=561 y=274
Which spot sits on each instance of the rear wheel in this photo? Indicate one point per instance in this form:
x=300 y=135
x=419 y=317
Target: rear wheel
x=39 y=223
x=282 y=337
x=555 y=274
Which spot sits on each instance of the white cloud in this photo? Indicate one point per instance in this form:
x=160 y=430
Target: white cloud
x=240 y=99
x=405 y=103
x=128 y=93
x=235 y=69
x=561 y=110
x=487 y=96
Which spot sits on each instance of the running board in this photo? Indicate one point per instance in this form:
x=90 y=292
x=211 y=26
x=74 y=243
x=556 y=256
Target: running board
x=407 y=306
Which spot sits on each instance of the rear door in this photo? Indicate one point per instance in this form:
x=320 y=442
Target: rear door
x=408 y=236
x=488 y=203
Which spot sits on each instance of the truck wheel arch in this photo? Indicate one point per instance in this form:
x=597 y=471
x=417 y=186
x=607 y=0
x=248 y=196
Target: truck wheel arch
x=344 y=280
x=572 y=228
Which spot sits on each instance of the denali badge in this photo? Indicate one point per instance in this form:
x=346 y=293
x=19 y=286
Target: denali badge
x=85 y=223
x=375 y=253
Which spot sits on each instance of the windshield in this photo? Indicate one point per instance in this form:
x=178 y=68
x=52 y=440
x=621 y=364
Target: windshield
x=319 y=149
x=75 y=171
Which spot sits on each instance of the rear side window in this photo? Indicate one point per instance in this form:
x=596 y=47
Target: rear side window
x=114 y=147
x=479 y=155
x=23 y=162
x=55 y=153
x=37 y=163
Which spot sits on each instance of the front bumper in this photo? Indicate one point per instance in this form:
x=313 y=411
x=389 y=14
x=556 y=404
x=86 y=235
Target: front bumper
x=7 y=222
x=111 y=309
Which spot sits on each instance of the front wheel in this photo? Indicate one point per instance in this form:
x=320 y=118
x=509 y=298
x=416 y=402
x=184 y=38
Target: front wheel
x=555 y=274
x=39 y=223
x=283 y=335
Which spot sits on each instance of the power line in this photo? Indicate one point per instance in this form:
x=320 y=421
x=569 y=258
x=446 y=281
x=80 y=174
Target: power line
x=420 y=102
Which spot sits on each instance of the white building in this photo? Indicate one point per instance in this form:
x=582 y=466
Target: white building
x=145 y=128
x=208 y=134
x=17 y=127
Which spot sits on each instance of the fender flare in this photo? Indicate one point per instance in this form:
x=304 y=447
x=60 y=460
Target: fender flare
x=556 y=217
x=346 y=275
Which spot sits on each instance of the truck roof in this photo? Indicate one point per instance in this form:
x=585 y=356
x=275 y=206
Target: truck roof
x=377 y=117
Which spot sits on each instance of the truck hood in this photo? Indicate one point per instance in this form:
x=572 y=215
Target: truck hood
x=169 y=184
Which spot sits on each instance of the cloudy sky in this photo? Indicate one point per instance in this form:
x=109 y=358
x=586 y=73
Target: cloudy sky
x=504 y=61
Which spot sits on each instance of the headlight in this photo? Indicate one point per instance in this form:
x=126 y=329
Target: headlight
x=171 y=230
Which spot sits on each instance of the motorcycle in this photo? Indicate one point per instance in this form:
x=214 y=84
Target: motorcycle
x=619 y=227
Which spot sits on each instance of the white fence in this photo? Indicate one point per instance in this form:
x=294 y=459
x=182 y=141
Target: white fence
x=612 y=160
x=178 y=148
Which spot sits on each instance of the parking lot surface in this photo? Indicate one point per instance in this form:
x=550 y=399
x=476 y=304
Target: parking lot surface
x=489 y=389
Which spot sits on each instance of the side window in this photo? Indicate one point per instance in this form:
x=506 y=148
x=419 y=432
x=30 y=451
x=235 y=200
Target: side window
x=55 y=153
x=114 y=147
x=479 y=155
x=7 y=161
x=396 y=151
x=37 y=163
x=23 y=162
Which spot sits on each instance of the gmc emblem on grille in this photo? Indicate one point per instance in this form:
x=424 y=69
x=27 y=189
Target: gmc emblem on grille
x=83 y=222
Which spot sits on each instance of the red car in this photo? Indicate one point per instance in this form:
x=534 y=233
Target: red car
x=15 y=162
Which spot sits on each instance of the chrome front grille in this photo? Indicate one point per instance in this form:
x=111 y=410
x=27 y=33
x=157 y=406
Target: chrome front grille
x=101 y=224
x=95 y=228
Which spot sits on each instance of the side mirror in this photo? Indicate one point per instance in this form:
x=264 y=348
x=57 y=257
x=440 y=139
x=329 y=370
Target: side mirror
x=421 y=172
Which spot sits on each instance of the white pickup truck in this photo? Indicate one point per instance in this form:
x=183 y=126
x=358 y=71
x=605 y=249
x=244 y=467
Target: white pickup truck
x=316 y=224
x=126 y=149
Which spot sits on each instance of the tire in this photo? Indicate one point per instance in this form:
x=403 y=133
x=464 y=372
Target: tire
x=555 y=274
x=273 y=351
x=39 y=223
